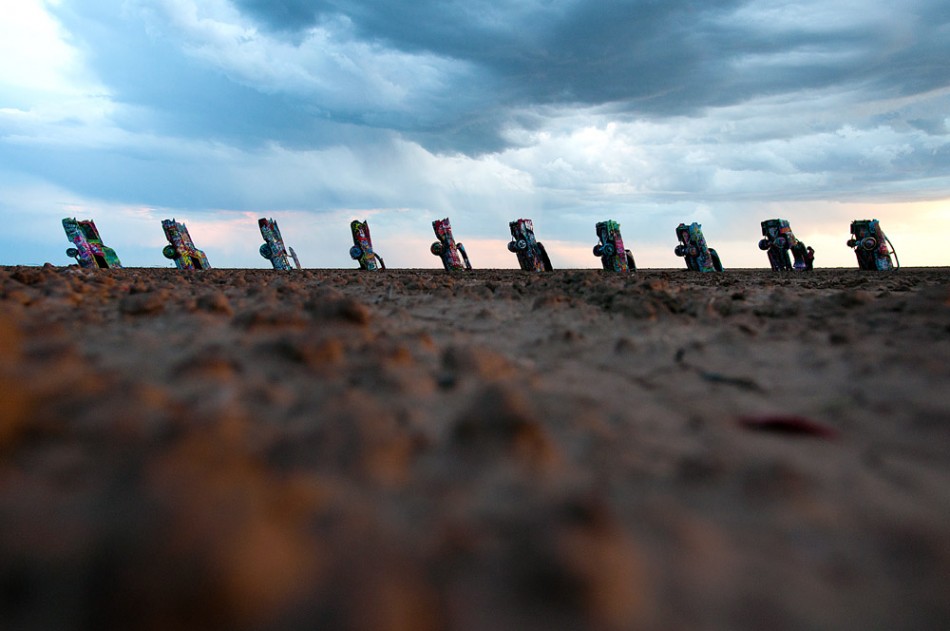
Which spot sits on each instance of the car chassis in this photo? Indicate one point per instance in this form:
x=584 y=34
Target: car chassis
x=88 y=250
x=610 y=249
x=693 y=248
x=362 y=250
x=453 y=255
x=532 y=257
x=778 y=241
x=181 y=249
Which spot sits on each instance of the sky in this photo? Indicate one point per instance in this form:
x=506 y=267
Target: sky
x=569 y=112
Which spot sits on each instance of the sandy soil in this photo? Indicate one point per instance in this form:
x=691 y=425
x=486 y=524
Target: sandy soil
x=413 y=450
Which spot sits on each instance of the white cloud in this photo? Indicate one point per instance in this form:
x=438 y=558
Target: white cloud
x=327 y=64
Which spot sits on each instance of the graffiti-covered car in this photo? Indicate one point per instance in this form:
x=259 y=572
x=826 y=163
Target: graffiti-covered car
x=532 y=257
x=778 y=240
x=362 y=250
x=88 y=249
x=610 y=249
x=692 y=247
x=273 y=248
x=870 y=244
x=181 y=249
x=453 y=254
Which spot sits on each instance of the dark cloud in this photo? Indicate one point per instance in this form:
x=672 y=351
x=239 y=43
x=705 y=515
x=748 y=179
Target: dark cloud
x=655 y=57
x=489 y=62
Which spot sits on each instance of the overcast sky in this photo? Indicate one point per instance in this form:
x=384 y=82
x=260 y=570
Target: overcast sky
x=650 y=112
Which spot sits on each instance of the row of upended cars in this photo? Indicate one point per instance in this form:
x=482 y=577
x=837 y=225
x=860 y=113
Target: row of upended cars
x=873 y=249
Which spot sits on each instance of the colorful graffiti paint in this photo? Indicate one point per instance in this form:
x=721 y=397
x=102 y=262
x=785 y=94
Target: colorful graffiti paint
x=453 y=254
x=88 y=249
x=693 y=248
x=532 y=257
x=362 y=250
x=181 y=249
x=610 y=249
x=779 y=241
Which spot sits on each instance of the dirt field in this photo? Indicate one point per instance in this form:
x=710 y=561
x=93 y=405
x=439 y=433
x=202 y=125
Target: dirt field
x=414 y=450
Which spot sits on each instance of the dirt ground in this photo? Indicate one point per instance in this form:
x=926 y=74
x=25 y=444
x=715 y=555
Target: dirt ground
x=497 y=450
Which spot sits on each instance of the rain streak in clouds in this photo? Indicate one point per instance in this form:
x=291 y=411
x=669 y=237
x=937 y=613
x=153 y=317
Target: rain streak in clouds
x=650 y=113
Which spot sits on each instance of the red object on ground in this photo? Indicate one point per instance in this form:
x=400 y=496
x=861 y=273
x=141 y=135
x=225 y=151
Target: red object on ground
x=797 y=425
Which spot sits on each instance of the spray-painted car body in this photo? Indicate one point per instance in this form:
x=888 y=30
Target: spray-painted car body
x=870 y=244
x=88 y=249
x=778 y=241
x=273 y=248
x=532 y=257
x=692 y=247
x=181 y=249
x=453 y=255
x=362 y=250
x=613 y=255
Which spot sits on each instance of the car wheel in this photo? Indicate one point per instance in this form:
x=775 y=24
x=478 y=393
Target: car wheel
x=512 y=246
x=522 y=244
x=265 y=251
x=356 y=252
x=781 y=243
x=598 y=250
x=609 y=249
x=436 y=248
x=545 y=261
x=169 y=252
x=680 y=250
x=764 y=244
x=869 y=244
x=72 y=253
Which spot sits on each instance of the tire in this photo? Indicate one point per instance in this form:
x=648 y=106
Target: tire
x=522 y=245
x=356 y=252
x=169 y=252
x=512 y=246
x=598 y=250
x=265 y=251
x=436 y=248
x=630 y=262
x=680 y=250
x=544 y=258
x=869 y=243
x=72 y=253
x=764 y=244
x=781 y=243
x=609 y=249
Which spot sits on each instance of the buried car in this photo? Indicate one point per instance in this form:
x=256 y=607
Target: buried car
x=870 y=245
x=362 y=250
x=532 y=257
x=181 y=249
x=453 y=255
x=273 y=248
x=610 y=249
x=778 y=241
x=88 y=250
x=692 y=247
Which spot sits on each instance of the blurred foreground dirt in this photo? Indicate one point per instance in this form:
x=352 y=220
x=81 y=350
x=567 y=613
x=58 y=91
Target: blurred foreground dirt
x=413 y=450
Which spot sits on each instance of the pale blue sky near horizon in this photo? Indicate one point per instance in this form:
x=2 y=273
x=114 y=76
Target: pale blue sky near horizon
x=316 y=112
